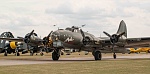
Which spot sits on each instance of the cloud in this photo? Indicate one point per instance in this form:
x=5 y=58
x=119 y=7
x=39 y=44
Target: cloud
x=21 y=16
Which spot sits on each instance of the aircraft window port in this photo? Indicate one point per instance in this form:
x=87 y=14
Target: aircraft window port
x=57 y=44
x=61 y=29
x=35 y=34
x=75 y=31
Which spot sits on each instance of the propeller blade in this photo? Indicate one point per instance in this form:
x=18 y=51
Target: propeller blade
x=107 y=34
x=82 y=33
x=27 y=37
x=49 y=34
x=121 y=34
x=30 y=33
x=46 y=39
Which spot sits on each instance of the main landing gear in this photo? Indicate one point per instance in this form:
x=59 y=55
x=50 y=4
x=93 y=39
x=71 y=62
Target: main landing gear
x=16 y=52
x=55 y=54
x=31 y=52
x=5 y=53
x=114 y=56
x=97 y=55
x=41 y=53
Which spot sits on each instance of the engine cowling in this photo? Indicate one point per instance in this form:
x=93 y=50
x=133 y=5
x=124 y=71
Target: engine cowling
x=13 y=45
x=86 y=40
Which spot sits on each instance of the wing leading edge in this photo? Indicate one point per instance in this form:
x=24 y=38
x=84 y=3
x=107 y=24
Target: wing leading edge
x=13 y=39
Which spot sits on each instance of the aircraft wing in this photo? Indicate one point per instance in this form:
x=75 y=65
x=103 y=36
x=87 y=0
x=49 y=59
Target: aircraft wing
x=129 y=42
x=138 y=42
x=13 y=39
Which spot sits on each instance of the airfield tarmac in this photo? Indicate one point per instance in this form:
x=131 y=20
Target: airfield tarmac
x=25 y=59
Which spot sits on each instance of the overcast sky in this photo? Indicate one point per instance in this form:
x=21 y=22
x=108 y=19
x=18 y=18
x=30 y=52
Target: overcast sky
x=22 y=16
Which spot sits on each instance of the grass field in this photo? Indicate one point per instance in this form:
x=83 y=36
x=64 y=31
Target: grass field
x=136 y=66
x=93 y=67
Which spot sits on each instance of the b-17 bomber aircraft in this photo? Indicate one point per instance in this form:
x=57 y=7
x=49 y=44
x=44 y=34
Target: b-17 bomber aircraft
x=34 y=43
x=75 y=38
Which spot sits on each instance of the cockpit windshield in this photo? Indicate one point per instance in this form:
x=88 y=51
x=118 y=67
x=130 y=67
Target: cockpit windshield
x=7 y=34
x=69 y=29
x=73 y=29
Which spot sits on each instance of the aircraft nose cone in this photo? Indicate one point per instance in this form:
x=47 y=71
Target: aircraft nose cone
x=55 y=35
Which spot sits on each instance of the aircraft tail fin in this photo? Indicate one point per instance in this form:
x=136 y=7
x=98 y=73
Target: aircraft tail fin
x=122 y=28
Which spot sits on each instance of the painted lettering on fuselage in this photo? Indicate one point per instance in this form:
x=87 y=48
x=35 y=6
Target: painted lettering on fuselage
x=69 y=39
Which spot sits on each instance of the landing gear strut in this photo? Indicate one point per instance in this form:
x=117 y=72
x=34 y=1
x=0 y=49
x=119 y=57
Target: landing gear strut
x=5 y=54
x=56 y=54
x=31 y=52
x=41 y=52
x=97 y=55
x=17 y=53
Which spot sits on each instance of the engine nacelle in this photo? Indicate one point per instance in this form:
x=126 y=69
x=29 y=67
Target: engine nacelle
x=13 y=45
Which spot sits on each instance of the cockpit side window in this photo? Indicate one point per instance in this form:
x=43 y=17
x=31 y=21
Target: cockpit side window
x=69 y=29
x=75 y=30
x=34 y=34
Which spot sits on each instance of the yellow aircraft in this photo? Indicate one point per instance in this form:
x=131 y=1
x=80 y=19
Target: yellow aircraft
x=133 y=50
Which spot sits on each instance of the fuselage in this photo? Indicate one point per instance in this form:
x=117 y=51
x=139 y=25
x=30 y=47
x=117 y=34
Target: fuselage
x=68 y=38
x=72 y=38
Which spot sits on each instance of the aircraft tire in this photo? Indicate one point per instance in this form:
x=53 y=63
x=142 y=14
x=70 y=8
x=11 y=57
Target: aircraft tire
x=55 y=56
x=42 y=54
x=5 y=54
x=62 y=53
x=114 y=55
x=18 y=54
x=148 y=51
x=98 y=55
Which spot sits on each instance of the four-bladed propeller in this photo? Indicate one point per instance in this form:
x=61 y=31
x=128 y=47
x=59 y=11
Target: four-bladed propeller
x=27 y=39
x=28 y=36
x=114 y=38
